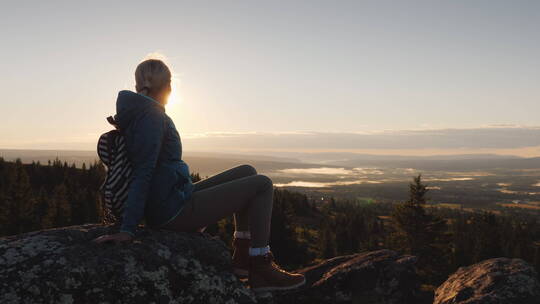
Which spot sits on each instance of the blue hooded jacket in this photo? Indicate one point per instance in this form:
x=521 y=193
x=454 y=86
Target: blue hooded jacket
x=161 y=183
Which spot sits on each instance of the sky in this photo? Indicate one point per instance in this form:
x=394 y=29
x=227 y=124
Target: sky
x=390 y=77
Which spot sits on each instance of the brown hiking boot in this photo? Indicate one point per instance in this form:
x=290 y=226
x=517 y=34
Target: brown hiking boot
x=265 y=275
x=240 y=258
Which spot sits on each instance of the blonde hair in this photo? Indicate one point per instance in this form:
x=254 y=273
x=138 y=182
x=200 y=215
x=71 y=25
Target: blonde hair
x=151 y=76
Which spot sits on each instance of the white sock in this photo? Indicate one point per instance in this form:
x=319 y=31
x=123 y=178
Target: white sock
x=259 y=250
x=242 y=235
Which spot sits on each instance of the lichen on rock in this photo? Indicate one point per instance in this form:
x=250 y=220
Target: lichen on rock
x=493 y=281
x=63 y=266
x=382 y=277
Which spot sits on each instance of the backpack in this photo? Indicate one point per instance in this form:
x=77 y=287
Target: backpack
x=111 y=149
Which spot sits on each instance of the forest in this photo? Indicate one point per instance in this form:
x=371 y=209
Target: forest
x=40 y=196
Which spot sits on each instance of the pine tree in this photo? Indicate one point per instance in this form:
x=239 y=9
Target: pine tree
x=58 y=210
x=22 y=207
x=327 y=241
x=4 y=213
x=420 y=233
x=283 y=234
x=487 y=243
x=63 y=215
x=195 y=177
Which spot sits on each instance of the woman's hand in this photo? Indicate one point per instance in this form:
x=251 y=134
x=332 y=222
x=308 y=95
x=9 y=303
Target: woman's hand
x=117 y=238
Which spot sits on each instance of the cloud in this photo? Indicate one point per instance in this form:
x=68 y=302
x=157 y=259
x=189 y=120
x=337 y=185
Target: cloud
x=489 y=137
x=502 y=139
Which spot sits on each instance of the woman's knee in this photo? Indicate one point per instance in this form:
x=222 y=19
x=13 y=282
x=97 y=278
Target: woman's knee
x=264 y=182
x=247 y=170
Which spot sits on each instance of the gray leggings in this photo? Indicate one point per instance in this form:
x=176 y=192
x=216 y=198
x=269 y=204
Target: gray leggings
x=239 y=191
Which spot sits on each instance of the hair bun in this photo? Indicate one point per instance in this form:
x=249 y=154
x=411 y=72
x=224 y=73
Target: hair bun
x=151 y=74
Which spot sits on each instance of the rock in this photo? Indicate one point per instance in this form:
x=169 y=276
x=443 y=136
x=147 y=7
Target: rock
x=382 y=277
x=494 y=281
x=63 y=266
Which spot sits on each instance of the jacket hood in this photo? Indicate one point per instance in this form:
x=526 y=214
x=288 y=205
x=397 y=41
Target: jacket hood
x=130 y=105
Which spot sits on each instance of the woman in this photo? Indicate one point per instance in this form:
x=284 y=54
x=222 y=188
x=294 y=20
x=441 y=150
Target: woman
x=161 y=190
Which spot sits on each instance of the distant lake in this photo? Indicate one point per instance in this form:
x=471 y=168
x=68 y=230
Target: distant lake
x=325 y=177
x=307 y=184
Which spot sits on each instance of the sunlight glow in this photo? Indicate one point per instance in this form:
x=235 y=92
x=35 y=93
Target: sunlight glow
x=174 y=98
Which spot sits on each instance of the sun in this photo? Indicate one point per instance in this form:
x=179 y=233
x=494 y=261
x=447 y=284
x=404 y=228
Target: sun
x=174 y=98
